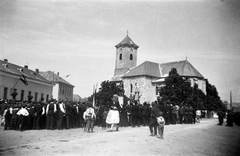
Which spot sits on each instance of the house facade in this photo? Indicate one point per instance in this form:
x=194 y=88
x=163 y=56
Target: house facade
x=61 y=88
x=36 y=88
x=144 y=81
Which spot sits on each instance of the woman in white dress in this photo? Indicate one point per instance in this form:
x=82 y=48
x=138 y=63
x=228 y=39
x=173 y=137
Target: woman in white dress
x=113 y=114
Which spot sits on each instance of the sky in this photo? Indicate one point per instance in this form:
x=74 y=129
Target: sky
x=79 y=37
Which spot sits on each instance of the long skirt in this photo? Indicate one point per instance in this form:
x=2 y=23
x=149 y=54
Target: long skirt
x=113 y=117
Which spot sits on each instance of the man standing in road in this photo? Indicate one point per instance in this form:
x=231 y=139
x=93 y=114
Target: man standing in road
x=153 y=123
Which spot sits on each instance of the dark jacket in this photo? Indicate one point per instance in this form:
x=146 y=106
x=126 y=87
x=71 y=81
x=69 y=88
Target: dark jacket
x=155 y=112
x=135 y=110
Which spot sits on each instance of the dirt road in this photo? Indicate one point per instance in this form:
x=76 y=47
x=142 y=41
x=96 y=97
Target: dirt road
x=205 y=138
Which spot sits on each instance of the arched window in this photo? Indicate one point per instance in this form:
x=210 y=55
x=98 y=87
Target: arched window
x=120 y=57
x=131 y=57
x=131 y=88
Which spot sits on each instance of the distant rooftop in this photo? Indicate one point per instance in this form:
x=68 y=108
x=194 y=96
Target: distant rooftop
x=52 y=77
x=11 y=68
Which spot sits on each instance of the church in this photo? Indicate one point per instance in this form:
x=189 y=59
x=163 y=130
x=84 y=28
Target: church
x=144 y=82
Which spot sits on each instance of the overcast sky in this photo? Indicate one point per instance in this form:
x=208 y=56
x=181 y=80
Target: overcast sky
x=79 y=37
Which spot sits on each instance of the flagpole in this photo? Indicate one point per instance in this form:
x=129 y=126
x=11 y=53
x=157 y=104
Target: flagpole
x=95 y=90
x=230 y=100
x=15 y=85
x=93 y=96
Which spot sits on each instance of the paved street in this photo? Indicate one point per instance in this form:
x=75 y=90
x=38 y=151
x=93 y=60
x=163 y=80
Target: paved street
x=205 y=138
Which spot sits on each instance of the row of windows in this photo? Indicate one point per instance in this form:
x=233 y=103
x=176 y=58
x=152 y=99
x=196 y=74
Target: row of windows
x=14 y=94
x=130 y=57
x=65 y=91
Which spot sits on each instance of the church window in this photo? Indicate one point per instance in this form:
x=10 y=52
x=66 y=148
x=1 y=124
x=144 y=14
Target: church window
x=131 y=57
x=120 y=57
x=5 y=92
x=157 y=90
x=131 y=88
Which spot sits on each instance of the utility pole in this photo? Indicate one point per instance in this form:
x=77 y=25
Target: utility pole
x=230 y=100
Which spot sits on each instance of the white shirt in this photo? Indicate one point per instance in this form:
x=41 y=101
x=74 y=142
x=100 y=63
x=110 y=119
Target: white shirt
x=23 y=111
x=61 y=108
x=198 y=112
x=43 y=110
x=88 y=112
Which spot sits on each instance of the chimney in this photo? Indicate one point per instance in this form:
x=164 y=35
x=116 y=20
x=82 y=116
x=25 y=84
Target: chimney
x=37 y=71
x=26 y=66
x=58 y=73
x=5 y=60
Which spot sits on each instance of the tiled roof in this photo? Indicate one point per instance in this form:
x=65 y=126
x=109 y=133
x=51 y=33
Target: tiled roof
x=236 y=104
x=52 y=77
x=127 y=41
x=8 y=67
x=145 y=69
x=117 y=78
x=184 y=68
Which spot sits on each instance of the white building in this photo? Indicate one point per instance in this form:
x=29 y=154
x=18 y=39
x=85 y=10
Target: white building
x=143 y=80
x=36 y=89
x=61 y=88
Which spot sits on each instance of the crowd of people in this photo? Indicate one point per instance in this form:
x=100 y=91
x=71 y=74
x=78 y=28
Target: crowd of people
x=66 y=115
x=38 y=115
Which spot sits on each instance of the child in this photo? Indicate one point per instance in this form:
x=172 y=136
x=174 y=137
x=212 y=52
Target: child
x=104 y=116
x=161 y=123
x=89 y=116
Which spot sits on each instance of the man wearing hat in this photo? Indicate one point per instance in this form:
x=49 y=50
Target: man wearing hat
x=51 y=109
x=23 y=114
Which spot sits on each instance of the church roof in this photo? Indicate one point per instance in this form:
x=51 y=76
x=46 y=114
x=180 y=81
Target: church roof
x=152 y=69
x=117 y=78
x=184 y=68
x=127 y=41
x=145 y=69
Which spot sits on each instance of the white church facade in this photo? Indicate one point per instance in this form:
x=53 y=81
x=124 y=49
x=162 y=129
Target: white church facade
x=144 y=81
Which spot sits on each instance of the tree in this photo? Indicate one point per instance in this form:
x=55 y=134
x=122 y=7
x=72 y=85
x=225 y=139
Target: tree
x=106 y=92
x=213 y=101
x=177 y=90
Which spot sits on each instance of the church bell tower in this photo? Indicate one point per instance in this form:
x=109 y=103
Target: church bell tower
x=126 y=56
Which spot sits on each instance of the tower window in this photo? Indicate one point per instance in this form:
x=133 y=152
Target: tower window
x=120 y=57
x=131 y=57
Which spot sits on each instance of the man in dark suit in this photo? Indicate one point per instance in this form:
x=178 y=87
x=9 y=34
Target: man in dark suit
x=144 y=114
x=50 y=112
x=153 y=123
x=37 y=115
x=129 y=112
x=166 y=114
x=181 y=114
x=174 y=114
x=135 y=114
x=186 y=115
